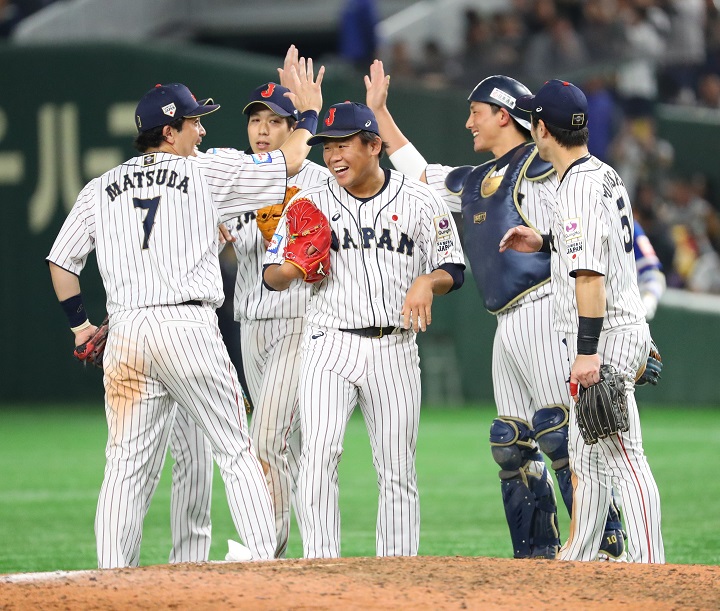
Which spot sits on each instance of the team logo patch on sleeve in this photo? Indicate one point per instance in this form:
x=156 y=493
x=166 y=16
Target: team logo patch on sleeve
x=573 y=236
x=444 y=233
x=259 y=158
x=274 y=245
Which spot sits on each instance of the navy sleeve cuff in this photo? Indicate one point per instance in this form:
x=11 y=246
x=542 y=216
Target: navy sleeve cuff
x=457 y=271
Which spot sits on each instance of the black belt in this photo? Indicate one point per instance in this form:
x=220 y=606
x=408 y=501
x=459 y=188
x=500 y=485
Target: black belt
x=371 y=331
x=193 y=302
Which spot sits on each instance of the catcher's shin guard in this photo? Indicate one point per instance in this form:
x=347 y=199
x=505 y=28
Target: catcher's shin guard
x=528 y=497
x=551 y=432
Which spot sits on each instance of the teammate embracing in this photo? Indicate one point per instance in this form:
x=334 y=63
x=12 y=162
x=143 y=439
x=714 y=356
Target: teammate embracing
x=599 y=311
x=395 y=248
x=529 y=363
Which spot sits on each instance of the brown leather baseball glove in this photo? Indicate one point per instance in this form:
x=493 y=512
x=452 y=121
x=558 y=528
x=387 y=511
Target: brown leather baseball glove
x=308 y=239
x=268 y=217
x=91 y=352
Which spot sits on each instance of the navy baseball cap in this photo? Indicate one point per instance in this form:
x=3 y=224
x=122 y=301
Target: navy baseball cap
x=165 y=103
x=272 y=96
x=346 y=119
x=558 y=103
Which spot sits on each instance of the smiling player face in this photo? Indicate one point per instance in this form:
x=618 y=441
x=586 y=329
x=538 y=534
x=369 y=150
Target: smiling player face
x=355 y=164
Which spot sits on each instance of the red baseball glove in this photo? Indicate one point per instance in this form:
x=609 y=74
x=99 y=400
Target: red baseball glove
x=309 y=239
x=92 y=350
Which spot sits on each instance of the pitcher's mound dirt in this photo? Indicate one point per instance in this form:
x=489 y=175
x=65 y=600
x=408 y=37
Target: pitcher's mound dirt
x=372 y=583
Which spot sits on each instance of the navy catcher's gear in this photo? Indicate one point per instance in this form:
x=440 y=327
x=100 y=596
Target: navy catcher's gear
x=502 y=91
x=551 y=433
x=487 y=215
x=512 y=444
x=529 y=500
x=531 y=514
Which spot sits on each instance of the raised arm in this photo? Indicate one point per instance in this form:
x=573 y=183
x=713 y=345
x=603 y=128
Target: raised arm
x=306 y=95
x=402 y=154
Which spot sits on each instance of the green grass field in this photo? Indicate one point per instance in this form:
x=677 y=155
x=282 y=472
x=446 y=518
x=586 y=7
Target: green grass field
x=52 y=460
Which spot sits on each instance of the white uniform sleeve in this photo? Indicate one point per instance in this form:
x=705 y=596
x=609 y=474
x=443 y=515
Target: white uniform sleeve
x=241 y=183
x=76 y=239
x=435 y=175
x=586 y=230
x=443 y=243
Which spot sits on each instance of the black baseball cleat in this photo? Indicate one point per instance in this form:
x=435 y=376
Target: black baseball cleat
x=612 y=546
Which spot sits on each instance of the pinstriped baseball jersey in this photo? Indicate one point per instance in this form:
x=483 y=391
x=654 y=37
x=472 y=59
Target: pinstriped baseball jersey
x=154 y=224
x=593 y=230
x=535 y=199
x=384 y=243
x=253 y=301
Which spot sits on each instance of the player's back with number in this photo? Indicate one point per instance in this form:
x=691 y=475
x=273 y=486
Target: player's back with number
x=153 y=222
x=594 y=224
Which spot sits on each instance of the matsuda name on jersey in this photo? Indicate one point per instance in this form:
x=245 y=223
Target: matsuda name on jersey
x=147 y=178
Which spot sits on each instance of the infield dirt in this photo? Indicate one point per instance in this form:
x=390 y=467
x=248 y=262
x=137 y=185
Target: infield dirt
x=424 y=582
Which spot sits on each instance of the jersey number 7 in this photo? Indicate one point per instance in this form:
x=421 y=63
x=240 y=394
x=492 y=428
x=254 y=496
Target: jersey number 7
x=151 y=205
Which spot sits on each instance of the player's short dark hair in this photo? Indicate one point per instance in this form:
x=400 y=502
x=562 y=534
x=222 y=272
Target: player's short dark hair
x=369 y=138
x=523 y=130
x=153 y=138
x=290 y=120
x=565 y=137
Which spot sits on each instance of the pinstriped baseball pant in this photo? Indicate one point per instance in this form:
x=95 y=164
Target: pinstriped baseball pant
x=382 y=377
x=617 y=462
x=155 y=356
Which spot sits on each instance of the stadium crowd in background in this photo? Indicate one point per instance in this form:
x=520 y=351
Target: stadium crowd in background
x=628 y=56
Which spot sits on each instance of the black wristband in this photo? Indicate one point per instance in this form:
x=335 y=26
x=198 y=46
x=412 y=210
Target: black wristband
x=308 y=120
x=589 y=334
x=546 y=242
x=74 y=310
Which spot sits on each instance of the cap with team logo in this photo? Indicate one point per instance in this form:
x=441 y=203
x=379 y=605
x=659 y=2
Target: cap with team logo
x=346 y=119
x=558 y=103
x=165 y=103
x=273 y=97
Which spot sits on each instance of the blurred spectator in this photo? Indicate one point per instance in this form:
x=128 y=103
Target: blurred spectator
x=603 y=112
x=708 y=91
x=433 y=68
x=506 y=52
x=695 y=227
x=555 y=51
x=358 y=37
x=603 y=31
x=638 y=154
x=636 y=80
x=646 y=204
x=685 y=52
x=400 y=65
x=470 y=66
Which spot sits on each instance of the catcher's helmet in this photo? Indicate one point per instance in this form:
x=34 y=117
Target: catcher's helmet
x=502 y=91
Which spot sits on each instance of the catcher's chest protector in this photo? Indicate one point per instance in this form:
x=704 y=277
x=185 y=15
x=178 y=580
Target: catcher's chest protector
x=489 y=208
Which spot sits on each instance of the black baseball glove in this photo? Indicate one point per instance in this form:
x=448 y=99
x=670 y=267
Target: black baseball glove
x=653 y=367
x=601 y=409
x=91 y=352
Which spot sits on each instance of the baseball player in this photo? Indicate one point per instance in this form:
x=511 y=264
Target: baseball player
x=395 y=247
x=650 y=276
x=529 y=368
x=271 y=322
x=192 y=472
x=598 y=309
x=153 y=222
